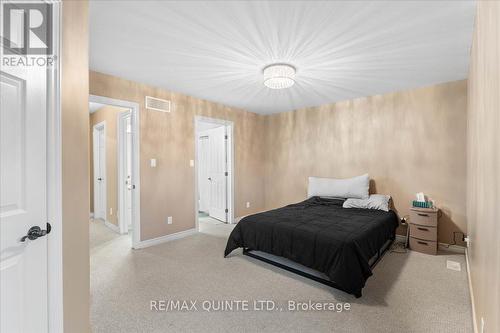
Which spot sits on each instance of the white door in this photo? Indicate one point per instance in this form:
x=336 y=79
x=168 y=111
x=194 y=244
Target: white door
x=99 y=151
x=128 y=181
x=203 y=175
x=217 y=163
x=23 y=196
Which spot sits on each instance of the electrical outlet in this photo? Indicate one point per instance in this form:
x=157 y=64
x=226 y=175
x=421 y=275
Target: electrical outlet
x=111 y=211
x=248 y=204
x=169 y=220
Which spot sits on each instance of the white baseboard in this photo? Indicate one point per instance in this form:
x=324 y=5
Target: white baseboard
x=471 y=292
x=166 y=238
x=238 y=219
x=452 y=248
x=111 y=226
x=441 y=246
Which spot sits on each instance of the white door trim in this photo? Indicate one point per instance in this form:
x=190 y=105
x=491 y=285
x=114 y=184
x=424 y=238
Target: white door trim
x=122 y=162
x=55 y=307
x=230 y=164
x=136 y=193
x=95 y=148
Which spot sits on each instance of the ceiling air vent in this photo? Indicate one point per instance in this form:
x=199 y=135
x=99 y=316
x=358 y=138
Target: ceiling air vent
x=157 y=104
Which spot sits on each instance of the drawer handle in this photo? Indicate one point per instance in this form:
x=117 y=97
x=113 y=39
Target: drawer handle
x=423 y=243
x=420 y=214
x=423 y=229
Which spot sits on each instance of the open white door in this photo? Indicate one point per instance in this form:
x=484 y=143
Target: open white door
x=217 y=164
x=203 y=175
x=23 y=199
x=99 y=154
x=128 y=172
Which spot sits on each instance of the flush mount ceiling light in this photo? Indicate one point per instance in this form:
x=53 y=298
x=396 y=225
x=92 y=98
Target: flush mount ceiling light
x=279 y=76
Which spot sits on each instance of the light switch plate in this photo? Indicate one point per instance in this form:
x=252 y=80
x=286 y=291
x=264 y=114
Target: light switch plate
x=153 y=162
x=191 y=163
x=453 y=265
x=248 y=204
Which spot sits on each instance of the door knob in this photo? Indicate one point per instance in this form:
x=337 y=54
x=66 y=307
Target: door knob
x=209 y=178
x=35 y=232
x=99 y=178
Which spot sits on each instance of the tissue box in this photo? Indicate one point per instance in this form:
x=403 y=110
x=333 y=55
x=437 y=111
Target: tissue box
x=422 y=204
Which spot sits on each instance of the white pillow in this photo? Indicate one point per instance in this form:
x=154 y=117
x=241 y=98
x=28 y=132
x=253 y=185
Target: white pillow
x=375 y=201
x=356 y=187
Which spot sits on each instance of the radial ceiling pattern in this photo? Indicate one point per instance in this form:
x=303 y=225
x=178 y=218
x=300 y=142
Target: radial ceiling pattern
x=341 y=50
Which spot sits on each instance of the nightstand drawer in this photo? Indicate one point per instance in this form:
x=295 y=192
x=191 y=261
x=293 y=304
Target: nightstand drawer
x=424 y=246
x=424 y=218
x=423 y=232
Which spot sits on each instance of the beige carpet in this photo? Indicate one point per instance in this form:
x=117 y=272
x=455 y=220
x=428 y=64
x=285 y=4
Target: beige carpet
x=207 y=222
x=100 y=235
x=408 y=292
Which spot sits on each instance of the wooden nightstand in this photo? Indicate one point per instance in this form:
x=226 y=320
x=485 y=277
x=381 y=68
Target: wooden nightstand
x=423 y=230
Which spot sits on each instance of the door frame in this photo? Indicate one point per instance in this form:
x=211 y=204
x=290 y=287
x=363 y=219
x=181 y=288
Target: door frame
x=55 y=306
x=136 y=193
x=101 y=126
x=122 y=167
x=230 y=164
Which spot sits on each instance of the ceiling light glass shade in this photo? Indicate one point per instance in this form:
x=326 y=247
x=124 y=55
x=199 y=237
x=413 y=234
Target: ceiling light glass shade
x=279 y=76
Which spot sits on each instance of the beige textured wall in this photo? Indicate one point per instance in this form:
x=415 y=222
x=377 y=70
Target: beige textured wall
x=168 y=189
x=407 y=141
x=75 y=171
x=483 y=165
x=109 y=115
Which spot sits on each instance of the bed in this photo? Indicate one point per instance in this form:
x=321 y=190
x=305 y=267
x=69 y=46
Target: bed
x=319 y=239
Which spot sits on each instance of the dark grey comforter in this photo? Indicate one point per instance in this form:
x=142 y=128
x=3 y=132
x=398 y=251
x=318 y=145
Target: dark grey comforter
x=320 y=234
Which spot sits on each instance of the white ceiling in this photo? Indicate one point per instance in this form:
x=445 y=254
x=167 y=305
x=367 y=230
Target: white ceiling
x=342 y=50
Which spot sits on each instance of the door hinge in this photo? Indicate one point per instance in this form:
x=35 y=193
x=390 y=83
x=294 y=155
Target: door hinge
x=227 y=210
x=226 y=174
